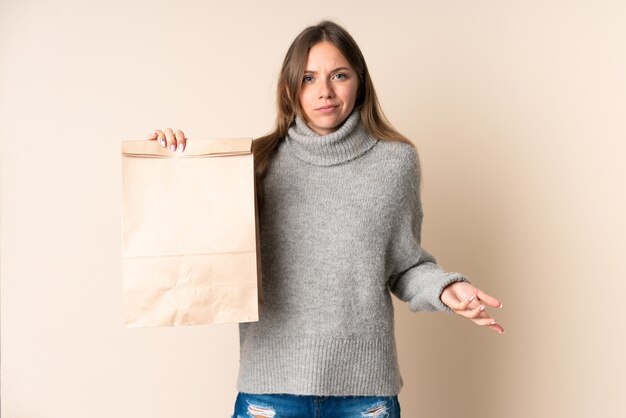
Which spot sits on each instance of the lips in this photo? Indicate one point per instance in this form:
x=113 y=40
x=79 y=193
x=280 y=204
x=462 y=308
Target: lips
x=327 y=109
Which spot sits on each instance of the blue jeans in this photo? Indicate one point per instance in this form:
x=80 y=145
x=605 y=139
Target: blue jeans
x=250 y=405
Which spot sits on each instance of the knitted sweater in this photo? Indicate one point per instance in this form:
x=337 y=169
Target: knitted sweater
x=339 y=230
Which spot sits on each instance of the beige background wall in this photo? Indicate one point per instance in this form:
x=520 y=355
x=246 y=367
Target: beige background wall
x=518 y=109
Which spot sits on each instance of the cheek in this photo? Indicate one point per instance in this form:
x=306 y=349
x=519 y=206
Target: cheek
x=350 y=96
x=352 y=91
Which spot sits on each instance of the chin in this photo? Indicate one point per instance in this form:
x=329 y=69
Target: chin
x=330 y=125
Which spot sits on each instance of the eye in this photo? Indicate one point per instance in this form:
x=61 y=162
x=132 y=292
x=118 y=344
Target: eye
x=341 y=76
x=307 y=79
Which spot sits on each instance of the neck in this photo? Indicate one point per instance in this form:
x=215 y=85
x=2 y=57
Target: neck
x=348 y=142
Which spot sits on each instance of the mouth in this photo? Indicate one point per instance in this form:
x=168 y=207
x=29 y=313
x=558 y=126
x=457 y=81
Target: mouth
x=327 y=109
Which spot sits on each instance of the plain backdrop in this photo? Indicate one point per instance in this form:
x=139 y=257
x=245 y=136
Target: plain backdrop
x=518 y=110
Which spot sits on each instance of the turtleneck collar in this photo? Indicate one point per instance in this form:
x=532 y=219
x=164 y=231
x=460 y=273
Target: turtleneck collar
x=348 y=142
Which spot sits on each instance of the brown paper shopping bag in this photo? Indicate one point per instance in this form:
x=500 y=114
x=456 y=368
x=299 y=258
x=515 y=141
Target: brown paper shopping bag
x=190 y=236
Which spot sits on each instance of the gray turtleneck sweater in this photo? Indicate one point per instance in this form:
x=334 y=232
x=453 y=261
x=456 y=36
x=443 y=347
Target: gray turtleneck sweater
x=339 y=230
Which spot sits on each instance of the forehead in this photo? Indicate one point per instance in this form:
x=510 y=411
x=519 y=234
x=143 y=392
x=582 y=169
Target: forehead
x=325 y=55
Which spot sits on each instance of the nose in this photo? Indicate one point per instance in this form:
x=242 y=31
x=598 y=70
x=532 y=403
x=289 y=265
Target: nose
x=326 y=90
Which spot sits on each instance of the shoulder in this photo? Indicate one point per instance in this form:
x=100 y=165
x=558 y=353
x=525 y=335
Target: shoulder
x=392 y=167
x=400 y=159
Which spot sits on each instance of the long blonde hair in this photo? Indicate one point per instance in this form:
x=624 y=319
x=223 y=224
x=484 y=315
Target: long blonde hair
x=288 y=94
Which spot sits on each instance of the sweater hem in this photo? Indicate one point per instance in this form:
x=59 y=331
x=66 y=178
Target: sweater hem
x=310 y=365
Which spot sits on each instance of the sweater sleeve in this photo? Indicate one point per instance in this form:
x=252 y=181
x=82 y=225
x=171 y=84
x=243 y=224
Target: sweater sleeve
x=415 y=276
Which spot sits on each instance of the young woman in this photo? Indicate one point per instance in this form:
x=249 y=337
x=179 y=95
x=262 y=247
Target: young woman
x=340 y=220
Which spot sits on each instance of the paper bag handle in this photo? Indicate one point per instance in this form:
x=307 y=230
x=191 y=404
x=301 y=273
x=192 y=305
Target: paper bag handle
x=193 y=148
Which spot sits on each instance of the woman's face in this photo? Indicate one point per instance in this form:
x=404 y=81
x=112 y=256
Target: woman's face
x=329 y=88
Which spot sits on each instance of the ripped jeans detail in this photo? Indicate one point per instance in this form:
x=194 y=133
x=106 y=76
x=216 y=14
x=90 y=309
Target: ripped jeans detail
x=250 y=405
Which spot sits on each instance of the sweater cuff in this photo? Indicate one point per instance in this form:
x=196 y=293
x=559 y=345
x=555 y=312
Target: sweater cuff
x=431 y=287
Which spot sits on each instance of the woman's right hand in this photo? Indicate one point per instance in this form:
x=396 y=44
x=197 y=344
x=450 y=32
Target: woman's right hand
x=170 y=139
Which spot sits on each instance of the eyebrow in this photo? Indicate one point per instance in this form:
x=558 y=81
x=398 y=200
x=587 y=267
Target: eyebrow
x=333 y=71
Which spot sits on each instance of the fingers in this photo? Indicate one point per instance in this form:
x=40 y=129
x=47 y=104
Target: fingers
x=488 y=299
x=170 y=139
x=497 y=327
x=462 y=305
x=160 y=136
x=180 y=138
x=482 y=318
x=473 y=313
x=478 y=314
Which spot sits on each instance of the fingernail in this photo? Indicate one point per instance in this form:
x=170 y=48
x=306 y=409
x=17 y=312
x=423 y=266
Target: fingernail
x=493 y=323
x=182 y=147
x=471 y=299
x=482 y=308
x=501 y=332
x=163 y=142
x=173 y=147
x=500 y=306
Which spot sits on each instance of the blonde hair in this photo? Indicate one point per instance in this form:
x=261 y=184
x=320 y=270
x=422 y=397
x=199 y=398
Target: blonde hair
x=290 y=84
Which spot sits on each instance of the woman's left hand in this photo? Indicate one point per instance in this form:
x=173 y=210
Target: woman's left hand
x=469 y=301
